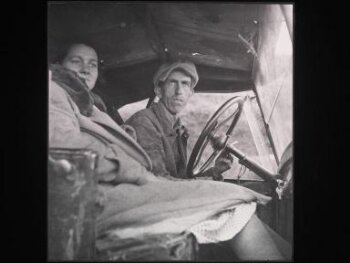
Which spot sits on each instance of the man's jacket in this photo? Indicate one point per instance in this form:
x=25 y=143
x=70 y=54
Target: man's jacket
x=163 y=138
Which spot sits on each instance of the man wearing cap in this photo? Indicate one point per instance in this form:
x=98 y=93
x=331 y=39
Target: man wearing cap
x=159 y=130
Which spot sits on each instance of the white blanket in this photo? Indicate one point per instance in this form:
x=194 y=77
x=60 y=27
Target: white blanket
x=202 y=207
x=221 y=227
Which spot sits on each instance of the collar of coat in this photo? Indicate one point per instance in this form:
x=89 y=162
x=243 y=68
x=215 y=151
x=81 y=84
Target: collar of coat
x=170 y=123
x=77 y=89
x=165 y=115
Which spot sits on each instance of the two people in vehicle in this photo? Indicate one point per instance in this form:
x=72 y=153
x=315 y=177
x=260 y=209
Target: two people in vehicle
x=137 y=201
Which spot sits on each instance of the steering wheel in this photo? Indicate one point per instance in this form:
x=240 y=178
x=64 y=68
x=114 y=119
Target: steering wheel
x=282 y=179
x=208 y=133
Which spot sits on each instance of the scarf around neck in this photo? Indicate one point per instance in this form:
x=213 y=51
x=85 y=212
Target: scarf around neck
x=77 y=89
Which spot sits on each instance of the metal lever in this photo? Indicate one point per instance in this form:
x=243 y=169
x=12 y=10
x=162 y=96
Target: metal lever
x=281 y=184
x=219 y=144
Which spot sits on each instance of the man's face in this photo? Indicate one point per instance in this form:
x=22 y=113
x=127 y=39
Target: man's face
x=83 y=60
x=175 y=92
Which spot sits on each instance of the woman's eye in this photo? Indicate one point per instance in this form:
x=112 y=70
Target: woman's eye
x=94 y=65
x=75 y=61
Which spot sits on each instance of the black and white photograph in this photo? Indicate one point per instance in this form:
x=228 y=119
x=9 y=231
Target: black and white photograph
x=170 y=131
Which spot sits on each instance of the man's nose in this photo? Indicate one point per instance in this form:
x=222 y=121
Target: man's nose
x=179 y=89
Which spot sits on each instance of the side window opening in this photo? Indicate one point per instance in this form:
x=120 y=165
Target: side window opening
x=130 y=109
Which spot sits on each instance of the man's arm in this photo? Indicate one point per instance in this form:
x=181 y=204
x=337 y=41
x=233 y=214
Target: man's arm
x=150 y=140
x=222 y=164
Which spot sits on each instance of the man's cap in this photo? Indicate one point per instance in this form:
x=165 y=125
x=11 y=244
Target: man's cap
x=167 y=68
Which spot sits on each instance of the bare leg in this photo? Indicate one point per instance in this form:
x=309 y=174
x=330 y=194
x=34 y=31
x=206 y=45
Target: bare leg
x=254 y=242
x=283 y=246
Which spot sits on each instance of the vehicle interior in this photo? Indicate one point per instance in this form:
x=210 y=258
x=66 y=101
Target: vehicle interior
x=244 y=57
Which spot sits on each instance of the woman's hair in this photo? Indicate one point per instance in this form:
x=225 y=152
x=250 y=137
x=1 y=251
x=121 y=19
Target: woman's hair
x=64 y=48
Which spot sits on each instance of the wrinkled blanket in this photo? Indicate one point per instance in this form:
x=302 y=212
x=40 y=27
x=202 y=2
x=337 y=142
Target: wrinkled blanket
x=184 y=203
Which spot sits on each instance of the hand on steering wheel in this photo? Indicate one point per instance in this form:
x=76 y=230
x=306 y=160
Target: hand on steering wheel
x=218 y=142
x=223 y=162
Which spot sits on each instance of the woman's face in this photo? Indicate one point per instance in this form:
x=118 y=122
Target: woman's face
x=83 y=60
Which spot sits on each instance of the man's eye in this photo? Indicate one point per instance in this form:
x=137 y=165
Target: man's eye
x=94 y=65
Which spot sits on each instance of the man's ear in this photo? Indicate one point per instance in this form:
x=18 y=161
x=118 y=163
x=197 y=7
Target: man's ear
x=192 y=92
x=157 y=91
